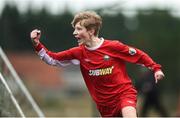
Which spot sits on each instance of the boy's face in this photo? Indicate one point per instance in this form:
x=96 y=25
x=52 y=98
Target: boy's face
x=82 y=34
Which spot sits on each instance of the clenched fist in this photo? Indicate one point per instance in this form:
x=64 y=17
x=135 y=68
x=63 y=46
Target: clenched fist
x=159 y=75
x=35 y=36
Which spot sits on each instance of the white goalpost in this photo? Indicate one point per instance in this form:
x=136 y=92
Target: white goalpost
x=12 y=96
x=12 y=82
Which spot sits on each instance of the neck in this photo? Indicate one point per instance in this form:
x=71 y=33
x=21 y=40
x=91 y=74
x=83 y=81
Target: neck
x=93 y=42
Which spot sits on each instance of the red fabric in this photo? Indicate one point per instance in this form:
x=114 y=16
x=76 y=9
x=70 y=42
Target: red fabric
x=126 y=98
x=104 y=70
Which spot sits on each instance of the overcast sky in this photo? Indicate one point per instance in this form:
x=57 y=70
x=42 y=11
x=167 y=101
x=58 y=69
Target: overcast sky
x=56 y=6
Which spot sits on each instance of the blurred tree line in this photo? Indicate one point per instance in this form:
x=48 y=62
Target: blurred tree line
x=154 y=31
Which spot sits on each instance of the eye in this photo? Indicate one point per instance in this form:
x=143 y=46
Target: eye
x=78 y=28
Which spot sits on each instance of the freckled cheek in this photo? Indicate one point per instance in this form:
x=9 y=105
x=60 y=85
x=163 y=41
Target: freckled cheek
x=82 y=35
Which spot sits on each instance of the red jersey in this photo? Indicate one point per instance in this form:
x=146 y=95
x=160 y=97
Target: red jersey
x=103 y=68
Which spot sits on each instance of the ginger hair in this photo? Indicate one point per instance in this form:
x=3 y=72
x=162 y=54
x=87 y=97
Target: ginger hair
x=88 y=19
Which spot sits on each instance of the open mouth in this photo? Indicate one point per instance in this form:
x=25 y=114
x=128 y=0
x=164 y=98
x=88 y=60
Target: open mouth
x=80 y=41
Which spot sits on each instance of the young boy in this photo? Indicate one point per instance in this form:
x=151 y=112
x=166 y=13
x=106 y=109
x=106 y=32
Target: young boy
x=102 y=64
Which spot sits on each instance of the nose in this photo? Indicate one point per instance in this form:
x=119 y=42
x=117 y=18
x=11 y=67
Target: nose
x=75 y=32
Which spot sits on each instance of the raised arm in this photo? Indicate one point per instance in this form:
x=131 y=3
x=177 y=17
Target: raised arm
x=55 y=59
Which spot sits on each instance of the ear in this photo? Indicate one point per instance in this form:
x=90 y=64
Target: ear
x=91 y=31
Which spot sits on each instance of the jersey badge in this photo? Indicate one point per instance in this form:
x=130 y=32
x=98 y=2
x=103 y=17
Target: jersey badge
x=132 y=51
x=106 y=57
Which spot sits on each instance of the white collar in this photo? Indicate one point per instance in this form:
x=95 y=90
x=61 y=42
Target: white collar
x=96 y=47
